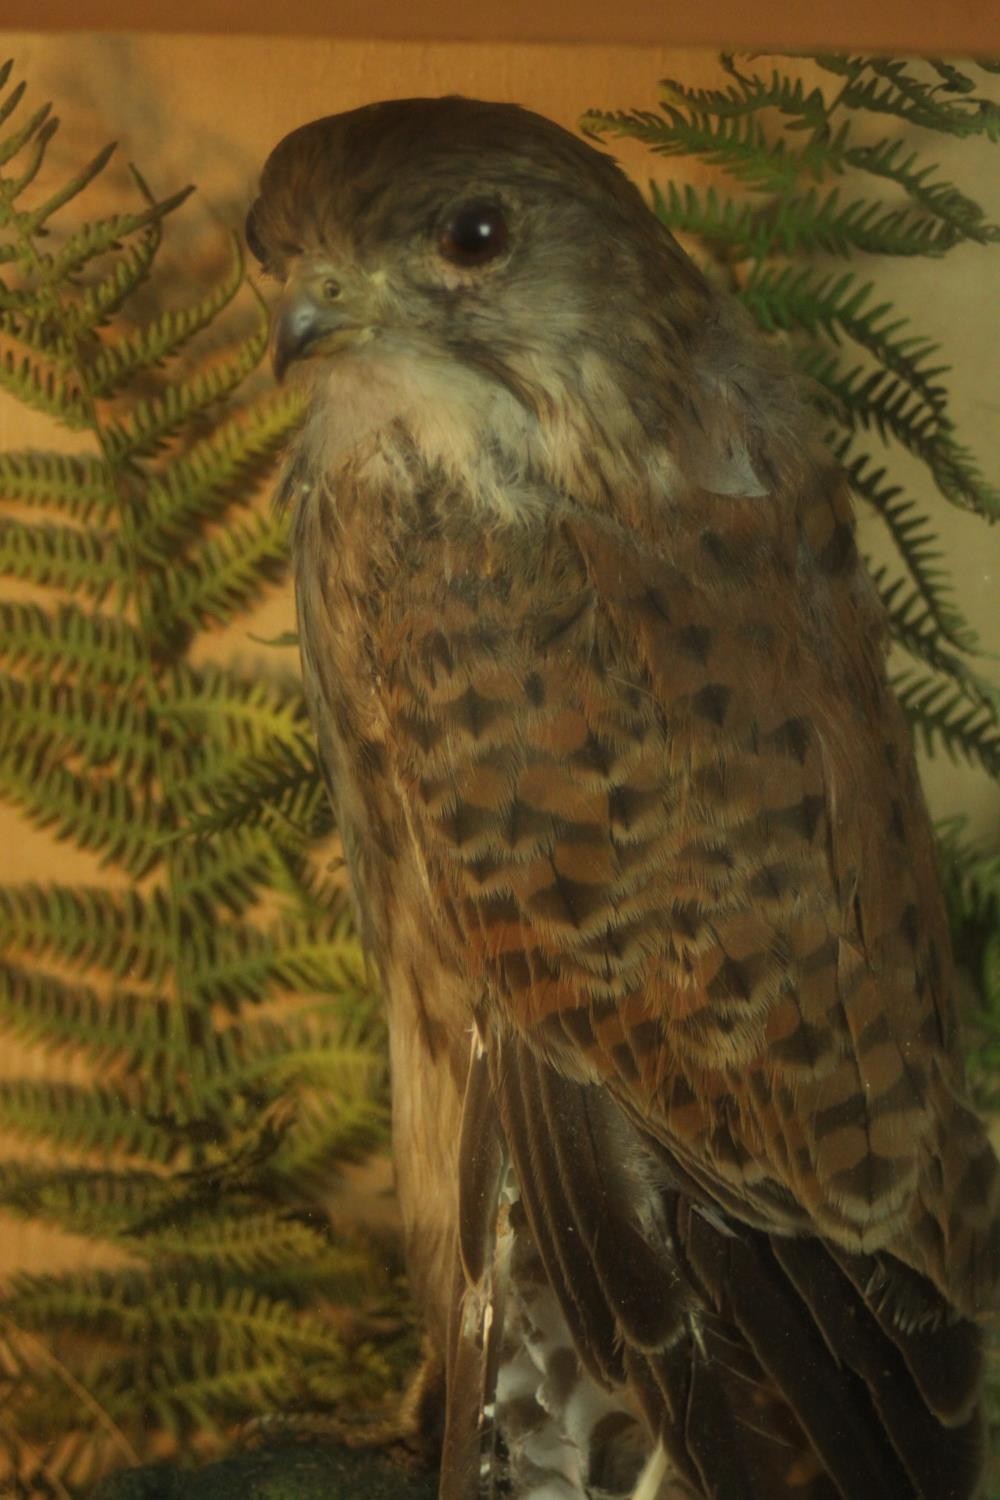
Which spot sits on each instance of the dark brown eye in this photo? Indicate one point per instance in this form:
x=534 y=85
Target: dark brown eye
x=476 y=233
x=254 y=242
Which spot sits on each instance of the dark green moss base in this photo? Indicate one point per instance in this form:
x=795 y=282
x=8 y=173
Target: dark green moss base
x=287 y=1471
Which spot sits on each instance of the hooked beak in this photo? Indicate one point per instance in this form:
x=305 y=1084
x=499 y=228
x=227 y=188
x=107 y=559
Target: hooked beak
x=311 y=318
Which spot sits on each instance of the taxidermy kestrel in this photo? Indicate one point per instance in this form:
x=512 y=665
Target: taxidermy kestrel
x=692 y=1194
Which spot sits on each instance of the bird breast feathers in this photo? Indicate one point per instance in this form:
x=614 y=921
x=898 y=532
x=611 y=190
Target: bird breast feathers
x=393 y=412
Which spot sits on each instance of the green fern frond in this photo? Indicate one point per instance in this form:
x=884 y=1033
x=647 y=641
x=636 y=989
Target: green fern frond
x=248 y=714
x=913 y=625
x=37 y=124
x=226 y=575
x=112 y=737
x=205 y=1389
x=345 y=1128
x=895 y=90
x=251 y=1241
x=81 y=1200
x=971 y=878
x=944 y=718
x=346 y=1079
x=97 y=812
x=799 y=223
x=122 y=932
x=103 y=298
x=151 y=423
x=230 y=961
x=140 y=1305
x=803 y=299
x=99 y=236
x=61 y=557
x=39 y=383
x=719 y=221
x=39 y=1007
x=8 y=105
x=891 y=160
x=284 y=782
x=199 y=485
x=97 y=726
x=749 y=95
x=164 y=336
x=990 y=974
x=32 y=223
x=960 y=479
x=953 y=80
x=224 y=741
x=70 y=641
x=866 y=399
x=76 y=1118
x=226 y=871
x=739 y=145
x=22 y=306
x=77 y=484
x=128 y=1029
x=917 y=544
x=972 y=869
x=320 y=888
x=199 y=1385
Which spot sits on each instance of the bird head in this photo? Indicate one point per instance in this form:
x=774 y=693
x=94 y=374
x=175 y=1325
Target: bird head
x=478 y=276
x=447 y=227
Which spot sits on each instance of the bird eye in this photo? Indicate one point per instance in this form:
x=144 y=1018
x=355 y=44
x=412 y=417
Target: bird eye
x=254 y=242
x=475 y=234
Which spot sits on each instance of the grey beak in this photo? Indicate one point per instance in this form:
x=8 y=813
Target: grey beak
x=302 y=320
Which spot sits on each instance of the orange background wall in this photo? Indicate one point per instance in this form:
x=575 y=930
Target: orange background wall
x=802 y=25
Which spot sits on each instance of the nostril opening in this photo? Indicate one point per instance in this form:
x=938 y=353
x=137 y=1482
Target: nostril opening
x=331 y=291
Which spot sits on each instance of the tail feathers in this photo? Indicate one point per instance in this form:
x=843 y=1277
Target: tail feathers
x=474 y=1454
x=528 y=1117
x=525 y=1419
x=721 y=1426
x=922 y=1383
x=841 y=1372
x=942 y=1352
x=771 y=1368
x=467 y=1389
